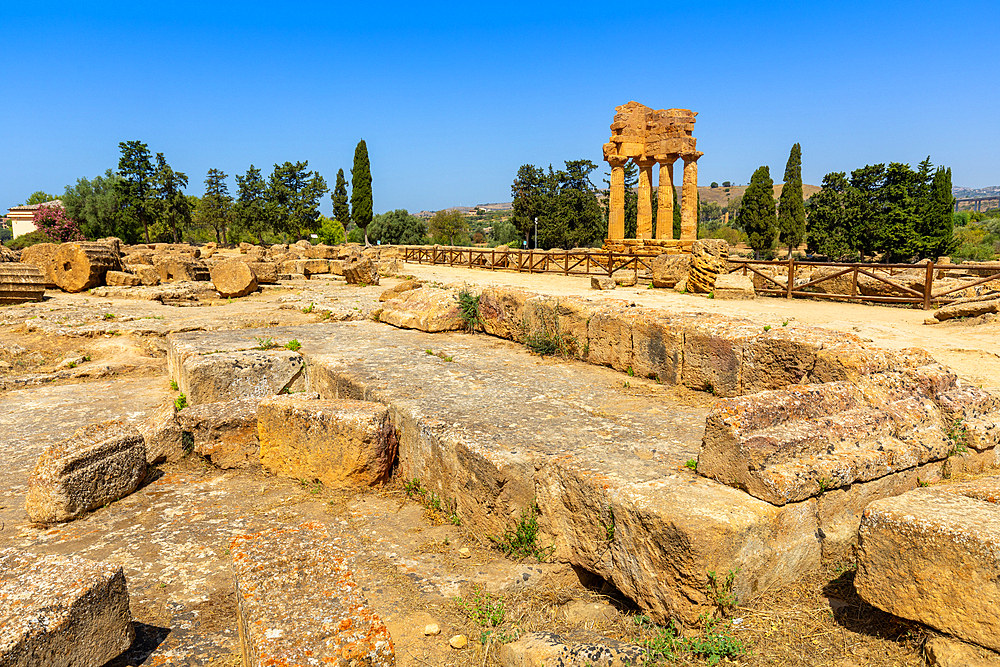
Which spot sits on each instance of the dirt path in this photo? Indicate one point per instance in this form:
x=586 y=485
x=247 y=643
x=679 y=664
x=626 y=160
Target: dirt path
x=971 y=350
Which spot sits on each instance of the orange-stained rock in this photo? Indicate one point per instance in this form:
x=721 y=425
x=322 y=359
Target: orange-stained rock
x=426 y=309
x=61 y=611
x=339 y=442
x=233 y=278
x=298 y=604
x=79 y=266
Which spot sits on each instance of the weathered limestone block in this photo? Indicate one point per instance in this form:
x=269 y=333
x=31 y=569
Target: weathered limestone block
x=668 y=270
x=294 y=266
x=362 y=271
x=539 y=649
x=389 y=266
x=933 y=556
x=134 y=256
x=396 y=290
x=266 y=272
x=176 y=267
x=79 y=266
x=233 y=279
x=97 y=465
x=657 y=347
x=609 y=336
x=311 y=267
x=841 y=284
x=20 y=283
x=782 y=356
x=602 y=283
x=225 y=376
x=713 y=352
x=501 y=311
x=322 y=252
x=298 y=603
x=709 y=258
x=429 y=310
x=163 y=435
x=869 y=286
x=121 y=279
x=8 y=255
x=61 y=611
x=971 y=308
x=624 y=278
x=942 y=652
x=339 y=442
x=337 y=267
x=225 y=433
x=564 y=321
x=42 y=255
x=148 y=275
x=734 y=286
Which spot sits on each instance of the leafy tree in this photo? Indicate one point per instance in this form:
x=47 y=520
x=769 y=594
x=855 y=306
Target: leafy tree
x=134 y=190
x=449 y=226
x=791 y=207
x=528 y=190
x=938 y=224
x=504 y=233
x=330 y=232
x=397 y=228
x=171 y=205
x=93 y=204
x=361 y=192
x=726 y=184
x=293 y=195
x=55 y=224
x=216 y=206
x=38 y=197
x=341 y=210
x=757 y=214
x=827 y=232
x=715 y=185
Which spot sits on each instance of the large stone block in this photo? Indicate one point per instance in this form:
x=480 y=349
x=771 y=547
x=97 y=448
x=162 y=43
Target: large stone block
x=361 y=271
x=501 y=311
x=163 y=435
x=932 y=555
x=430 y=310
x=61 y=611
x=709 y=258
x=339 y=442
x=609 y=335
x=233 y=279
x=298 y=603
x=42 y=255
x=121 y=279
x=266 y=272
x=225 y=376
x=657 y=347
x=177 y=267
x=668 y=270
x=734 y=286
x=20 y=283
x=97 y=465
x=225 y=433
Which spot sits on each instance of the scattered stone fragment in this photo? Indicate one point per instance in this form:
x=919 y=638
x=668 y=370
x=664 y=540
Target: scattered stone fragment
x=298 y=603
x=541 y=649
x=579 y=611
x=709 y=258
x=734 y=286
x=668 y=270
x=944 y=652
x=389 y=266
x=602 y=283
x=121 y=279
x=233 y=278
x=430 y=310
x=464 y=552
x=20 y=283
x=681 y=286
x=432 y=629
x=362 y=271
x=624 y=277
x=177 y=267
x=339 y=442
x=968 y=308
x=225 y=376
x=61 y=611
x=932 y=555
x=163 y=435
x=459 y=641
x=147 y=275
x=396 y=290
x=97 y=465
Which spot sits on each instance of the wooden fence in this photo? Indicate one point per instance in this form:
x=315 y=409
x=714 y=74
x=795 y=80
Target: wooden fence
x=919 y=290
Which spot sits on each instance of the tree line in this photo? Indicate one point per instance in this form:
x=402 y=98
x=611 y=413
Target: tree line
x=144 y=201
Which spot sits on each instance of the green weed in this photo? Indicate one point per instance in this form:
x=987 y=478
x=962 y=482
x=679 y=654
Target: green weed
x=314 y=487
x=609 y=527
x=720 y=591
x=691 y=464
x=308 y=309
x=958 y=433
x=485 y=609
x=439 y=355
x=522 y=540
x=294 y=345
x=173 y=385
x=432 y=501
x=264 y=342
x=180 y=402
x=549 y=338
x=767 y=327
x=108 y=316
x=824 y=484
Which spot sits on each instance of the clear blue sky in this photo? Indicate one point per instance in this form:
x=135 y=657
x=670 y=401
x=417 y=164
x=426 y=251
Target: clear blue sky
x=452 y=98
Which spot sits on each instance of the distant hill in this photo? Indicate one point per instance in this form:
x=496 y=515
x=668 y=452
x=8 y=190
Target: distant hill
x=706 y=194
x=973 y=193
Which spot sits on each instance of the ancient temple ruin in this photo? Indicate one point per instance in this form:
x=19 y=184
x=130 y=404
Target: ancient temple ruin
x=647 y=137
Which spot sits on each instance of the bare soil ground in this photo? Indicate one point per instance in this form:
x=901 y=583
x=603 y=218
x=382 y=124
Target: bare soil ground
x=173 y=534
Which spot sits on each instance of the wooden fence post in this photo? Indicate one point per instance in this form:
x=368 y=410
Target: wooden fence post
x=928 y=285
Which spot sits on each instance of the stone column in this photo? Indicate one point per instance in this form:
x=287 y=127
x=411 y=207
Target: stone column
x=689 y=199
x=665 y=199
x=644 y=215
x=616 y=205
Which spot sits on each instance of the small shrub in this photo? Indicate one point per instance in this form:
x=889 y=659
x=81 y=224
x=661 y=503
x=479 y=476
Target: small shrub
x=308 y=309
x=691 y=464
x=485 y=609
x=180 y=402
x=264 y=342
x=468 y=309
x=173 y=385
x=108 y=316
x=958 y=433
x=522 y=540
x=294 y=345
x=720 y=591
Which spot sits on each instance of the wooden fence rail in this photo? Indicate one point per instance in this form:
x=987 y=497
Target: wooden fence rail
x=600 y=263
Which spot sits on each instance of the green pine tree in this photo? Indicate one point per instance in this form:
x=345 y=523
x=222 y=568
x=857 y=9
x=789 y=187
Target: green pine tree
x=938 y=227
x=757 y=214
x=791 y=207
x=361 y=192
x=341 y=210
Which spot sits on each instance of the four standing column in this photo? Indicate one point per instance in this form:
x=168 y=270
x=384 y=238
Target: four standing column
x=616 y=207
x=689 y=199
x=665 y=200
x=644 y=214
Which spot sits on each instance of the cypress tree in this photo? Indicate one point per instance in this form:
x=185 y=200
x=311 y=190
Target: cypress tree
x=361 y=192
x=791 y=208
x=757 y=214
x=341 y=211
x=939 y=221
